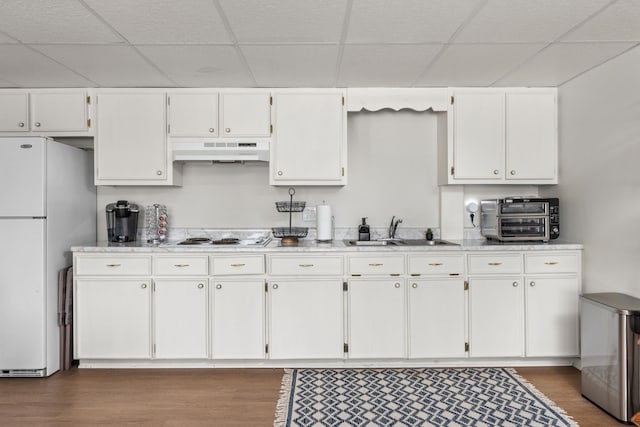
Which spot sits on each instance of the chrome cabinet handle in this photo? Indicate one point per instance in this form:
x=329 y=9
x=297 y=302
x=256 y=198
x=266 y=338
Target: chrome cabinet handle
x=212 y=130
x=376 y=264
x=495 y=263
x=218 y=286
x=275 y=286
x=37 y=124
x=279 y=173
x=512 y=172
x=158 y=173
x=551 y=262
x=414 y=285
x=532 y=284
x=114 y=265
x=496 y=171
x=435 y=264
x=21 y=124
x=227 y=130
x=305 y=265
x=397 y=285
x=240 y=264
x=200 y=285
x=515 y=284
x=143 y=286
x=181 y=265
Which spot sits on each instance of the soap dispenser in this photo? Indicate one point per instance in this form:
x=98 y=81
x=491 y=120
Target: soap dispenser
x=363 y=230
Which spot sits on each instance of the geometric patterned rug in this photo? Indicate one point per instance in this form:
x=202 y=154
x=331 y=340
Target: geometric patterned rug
x=452 y=397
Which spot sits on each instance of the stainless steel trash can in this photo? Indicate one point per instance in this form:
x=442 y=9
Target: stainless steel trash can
x=610 y=352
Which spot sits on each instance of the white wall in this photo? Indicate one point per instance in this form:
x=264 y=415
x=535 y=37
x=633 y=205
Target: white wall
x=599 y=181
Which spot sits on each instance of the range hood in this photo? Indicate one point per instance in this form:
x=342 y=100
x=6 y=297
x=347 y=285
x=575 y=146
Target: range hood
x=220 y=151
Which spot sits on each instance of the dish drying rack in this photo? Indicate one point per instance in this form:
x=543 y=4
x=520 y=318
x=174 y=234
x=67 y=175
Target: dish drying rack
x=290 y=235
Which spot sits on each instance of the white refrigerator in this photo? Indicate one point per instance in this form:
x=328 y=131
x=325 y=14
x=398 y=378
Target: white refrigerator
x=47 y=205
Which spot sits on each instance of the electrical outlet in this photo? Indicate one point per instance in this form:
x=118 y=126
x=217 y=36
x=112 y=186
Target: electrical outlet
x=309 y=214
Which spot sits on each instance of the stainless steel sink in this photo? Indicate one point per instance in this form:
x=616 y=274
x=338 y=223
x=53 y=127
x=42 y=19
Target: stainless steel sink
x=367 y=242
x=400 y=242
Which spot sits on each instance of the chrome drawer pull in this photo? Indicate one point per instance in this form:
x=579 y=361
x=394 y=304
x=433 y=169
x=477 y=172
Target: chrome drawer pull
x=375 y=264
x=240 y=264
x=114 y=265
x=181 y=265
x=495 y=263
x=143 y=286
x=305 y=265
x=551 y=262
x=435 y=264
x=200 y=285
x=397 y=285
x=515 y=284
x=218 y=286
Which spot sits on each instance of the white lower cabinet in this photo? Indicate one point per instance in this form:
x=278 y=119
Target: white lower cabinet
x=237 y=318
x=376 y=318
x=306 y=319
x=180 y=319
x=496 y=317
x=437 y=318
x=113 y=318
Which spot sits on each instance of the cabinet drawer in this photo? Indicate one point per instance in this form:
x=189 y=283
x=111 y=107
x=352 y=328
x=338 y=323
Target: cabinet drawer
x=124 y=265
x=447 y=265
x=181 y=266
x=306 y=266
x=495 y=263
x=551 y=263
x=376 y=265
x=246 y=264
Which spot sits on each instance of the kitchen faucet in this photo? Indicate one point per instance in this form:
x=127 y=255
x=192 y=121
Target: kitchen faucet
x=394 y=226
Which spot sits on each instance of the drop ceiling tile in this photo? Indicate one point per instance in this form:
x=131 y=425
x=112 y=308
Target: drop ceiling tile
x=527 y=20
x=384 y=65
x=476 y=64
x=25 y=68
x=561 y=62
x=53 y=21
x=163 y=21
x=618 y=22
x=406 y=21
x=284 y=21
x=200 y=66
x=291 y=65
x=107 y=66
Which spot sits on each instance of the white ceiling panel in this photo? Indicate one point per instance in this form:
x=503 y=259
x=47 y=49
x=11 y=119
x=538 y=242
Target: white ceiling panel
x=618 y=22
x=294 y=66
x=527 y=20
x=53 y=21
x=284 y=21
x=406 y=21
x=26 y=68
x=475 y=64
x=200 y=66
x=384 y=65
x=561 y=62
x=163 y=21
x=107 y=66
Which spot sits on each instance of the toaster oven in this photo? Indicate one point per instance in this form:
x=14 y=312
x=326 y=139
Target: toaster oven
x=520 y=219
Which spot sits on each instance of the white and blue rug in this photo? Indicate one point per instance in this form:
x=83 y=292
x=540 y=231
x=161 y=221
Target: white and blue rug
x=452 y=397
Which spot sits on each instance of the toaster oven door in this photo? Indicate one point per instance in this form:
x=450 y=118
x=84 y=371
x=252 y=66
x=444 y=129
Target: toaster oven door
x=524 y=228
x=525 y=208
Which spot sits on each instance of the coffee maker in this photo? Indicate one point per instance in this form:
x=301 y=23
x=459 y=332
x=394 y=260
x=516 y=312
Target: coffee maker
x=122 y=221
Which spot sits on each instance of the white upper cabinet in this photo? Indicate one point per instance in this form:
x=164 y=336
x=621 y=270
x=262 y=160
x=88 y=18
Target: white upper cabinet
x=131 y=142
x=309 y=143
x=501 y=136
x=206 y=113
x=55 y=112
x=193 y=114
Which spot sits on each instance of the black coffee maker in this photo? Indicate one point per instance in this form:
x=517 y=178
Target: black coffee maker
x=122 y=221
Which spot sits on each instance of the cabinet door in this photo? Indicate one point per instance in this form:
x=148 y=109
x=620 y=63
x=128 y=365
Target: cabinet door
x=193 y=114
x=437 y=318
x=14 y=111
x=131 y=138
x=238 y=319
x=496 y=317
x=180 y=314
x=531 y=135
x=552 y=316
x=113 y=319
x=376 y=319
x=308 y=139
x=306 y=319
x=246 y=114
x=478 y=135
x=59 y=111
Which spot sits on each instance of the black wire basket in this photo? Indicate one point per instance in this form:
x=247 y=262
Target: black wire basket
x=290 y=206
x=280 y=232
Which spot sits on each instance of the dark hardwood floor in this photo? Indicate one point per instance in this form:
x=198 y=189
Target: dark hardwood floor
x=211 y=397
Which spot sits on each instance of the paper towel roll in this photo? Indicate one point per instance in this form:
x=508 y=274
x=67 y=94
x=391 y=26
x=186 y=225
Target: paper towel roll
x=324 y=223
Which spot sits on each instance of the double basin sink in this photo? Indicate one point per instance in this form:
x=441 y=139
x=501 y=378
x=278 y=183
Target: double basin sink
x=400 y=242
